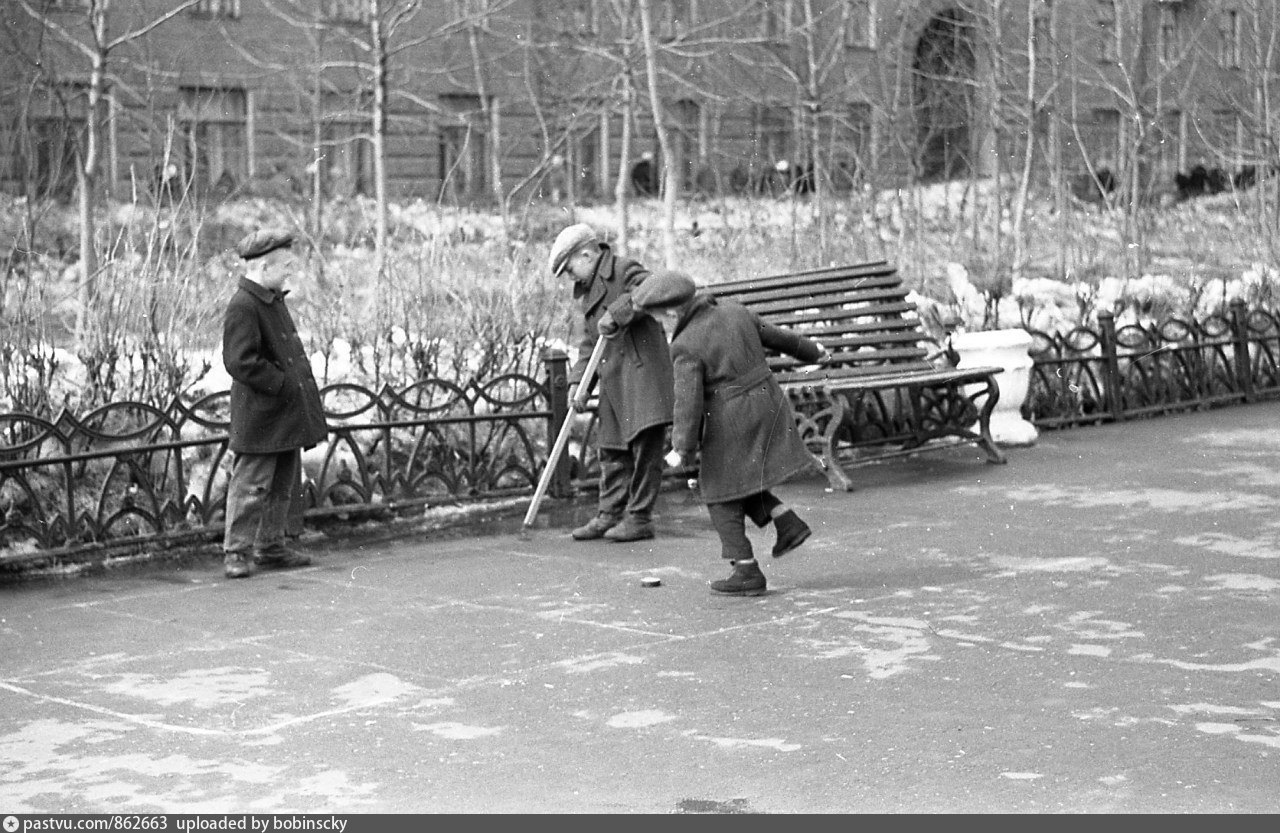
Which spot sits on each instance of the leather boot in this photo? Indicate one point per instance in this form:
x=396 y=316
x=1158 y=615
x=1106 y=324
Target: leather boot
x=280 y=558
x=792 y=532
x=236 y=565
x=631 y=529
x=746 y=580
x=594 y=528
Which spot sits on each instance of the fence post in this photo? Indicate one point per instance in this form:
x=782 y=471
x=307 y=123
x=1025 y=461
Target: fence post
x=1240 y=343
x=1111 y=365
x=557 y=363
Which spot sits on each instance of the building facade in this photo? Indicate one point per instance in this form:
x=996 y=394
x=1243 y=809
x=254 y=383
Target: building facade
x=473 y=101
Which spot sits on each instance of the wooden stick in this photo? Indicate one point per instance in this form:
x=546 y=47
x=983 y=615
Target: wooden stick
x=563 y=438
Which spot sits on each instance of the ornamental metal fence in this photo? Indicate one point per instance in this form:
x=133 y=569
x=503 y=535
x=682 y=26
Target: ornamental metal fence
x=1113 y=373
x=129 y=475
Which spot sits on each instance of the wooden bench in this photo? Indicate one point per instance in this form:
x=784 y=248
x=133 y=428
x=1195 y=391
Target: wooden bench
x=879 y=395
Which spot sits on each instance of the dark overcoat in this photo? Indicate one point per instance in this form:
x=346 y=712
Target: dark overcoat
x=634 y=376
x=728 y=403
x=275 y=402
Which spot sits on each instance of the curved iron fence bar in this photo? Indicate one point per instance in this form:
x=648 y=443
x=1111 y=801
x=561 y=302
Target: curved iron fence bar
x=131 y=473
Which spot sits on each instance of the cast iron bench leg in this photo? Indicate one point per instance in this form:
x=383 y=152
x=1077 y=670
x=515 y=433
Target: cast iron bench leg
x=988 y=443
x=818 y=418
x=834 y=410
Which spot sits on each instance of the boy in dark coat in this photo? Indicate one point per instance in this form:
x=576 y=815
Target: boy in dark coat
x=729 y=406
x=275 y=409
x=635 y=383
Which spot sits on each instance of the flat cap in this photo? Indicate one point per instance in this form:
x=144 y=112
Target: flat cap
x=260 y=242
x=663 y=289
x=567 y=242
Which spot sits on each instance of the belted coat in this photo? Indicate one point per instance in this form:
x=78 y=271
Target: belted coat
x=275 y=402
x=728 y=403
x=634 y=376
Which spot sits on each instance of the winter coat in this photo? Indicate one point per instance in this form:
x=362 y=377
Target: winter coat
x=634 y=375
x=728 y=402
x=275 y=403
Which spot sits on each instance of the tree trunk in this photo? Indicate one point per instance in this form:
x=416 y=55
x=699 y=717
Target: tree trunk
x=379 y=118
x=621 y=186
x=87 y=172
x=1029 y=130
x=670 y=180
x=492 y=119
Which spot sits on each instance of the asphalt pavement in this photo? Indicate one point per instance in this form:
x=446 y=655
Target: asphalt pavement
x=1092 y=628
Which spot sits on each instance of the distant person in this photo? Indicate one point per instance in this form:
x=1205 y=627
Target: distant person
x=558 y=179
x=731 y=413
x=776 y=180
x=275 y=410
x=634 y=381
x=167 y=183
x=644 y=176
x=803 y=181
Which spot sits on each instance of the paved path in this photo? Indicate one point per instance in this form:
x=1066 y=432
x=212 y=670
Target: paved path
x=1094 y=627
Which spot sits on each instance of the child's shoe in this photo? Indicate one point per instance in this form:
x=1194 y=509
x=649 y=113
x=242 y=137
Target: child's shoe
x=746 y=580
x=792 y=532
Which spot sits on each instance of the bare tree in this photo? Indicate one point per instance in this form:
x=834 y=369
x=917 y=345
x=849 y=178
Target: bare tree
x=94 y=44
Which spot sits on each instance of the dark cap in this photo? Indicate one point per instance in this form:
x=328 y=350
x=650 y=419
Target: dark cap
x=663 y=289
x=567 y=242
x=258 y=243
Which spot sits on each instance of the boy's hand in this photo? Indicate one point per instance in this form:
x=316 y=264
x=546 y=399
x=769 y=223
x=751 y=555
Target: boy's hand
x=674 y=458
x=607 y=327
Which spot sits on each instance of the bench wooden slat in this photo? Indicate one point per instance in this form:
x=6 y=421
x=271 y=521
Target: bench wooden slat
x=870 y=378
x=811 y=277
x=841 y=338
x=877 y=343
x=891 y=356
x=834 y=306
x=854 y=286
x=872 y=362
x=889 y=316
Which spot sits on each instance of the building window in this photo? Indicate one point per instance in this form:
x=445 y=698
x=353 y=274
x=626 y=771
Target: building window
x=463 y=151
x=687 y=148
x=1042 y=34
x=213 y=123
x=771 y=156
x=46 y=149
x=228 y=9
x=860 y=24
x=1229 y=49
x=674 y=18
x=849 y=147
x=1228 y=138
x=471 y=9
x=1170 y=46
x=584 y=163
x=344 y=11
x=346 y=159
x=1170 y=154
x=51 y=163
x=1104 y=151
x=584 y=18
x=1108 y=33
x=775 y=19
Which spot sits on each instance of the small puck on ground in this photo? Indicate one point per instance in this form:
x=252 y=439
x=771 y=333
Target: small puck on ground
x=651 y=581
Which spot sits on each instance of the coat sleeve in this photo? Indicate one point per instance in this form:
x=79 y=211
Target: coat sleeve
x=785 y=341
x=623 y=309
x=586 y=344
x=686 y=425
x=243 y=355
